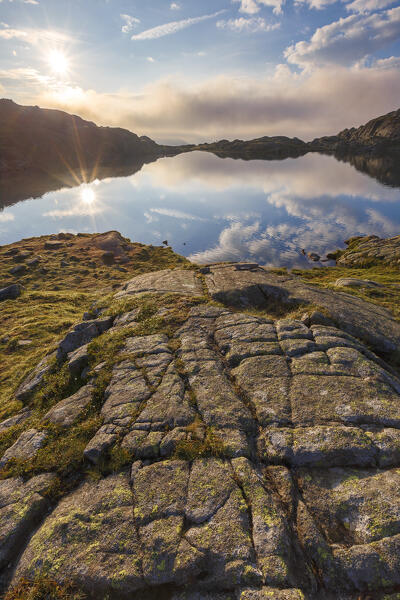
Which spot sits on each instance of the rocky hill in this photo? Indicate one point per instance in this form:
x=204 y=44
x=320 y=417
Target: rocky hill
x=52 y=141
x=379 y=137
x=216 y=433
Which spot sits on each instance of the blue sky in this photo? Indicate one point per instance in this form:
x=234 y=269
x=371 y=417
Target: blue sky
x=187 y=71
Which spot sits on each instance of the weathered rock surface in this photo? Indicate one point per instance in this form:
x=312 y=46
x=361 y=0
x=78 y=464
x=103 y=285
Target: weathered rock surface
x=257 y=288
x=352 y=282
x=65 y=412
x=82 y=334
x=164 y=282
x=370 y=250
x=263 y=462
x=21 y=507
x=26 y=446
x=15 y=420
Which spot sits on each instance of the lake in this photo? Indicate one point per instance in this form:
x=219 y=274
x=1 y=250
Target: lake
x=212 y=209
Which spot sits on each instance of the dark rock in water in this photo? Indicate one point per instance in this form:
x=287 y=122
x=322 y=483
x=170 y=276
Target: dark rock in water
x=313 y=256
x=11 y=292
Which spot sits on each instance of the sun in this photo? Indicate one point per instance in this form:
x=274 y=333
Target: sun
x=58 y=62
x=88 y=196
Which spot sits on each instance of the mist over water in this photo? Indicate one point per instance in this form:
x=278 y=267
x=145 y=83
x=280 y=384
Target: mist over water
x=212 y=209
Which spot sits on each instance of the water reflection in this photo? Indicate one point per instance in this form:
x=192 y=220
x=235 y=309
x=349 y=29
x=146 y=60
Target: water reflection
x=214 y=209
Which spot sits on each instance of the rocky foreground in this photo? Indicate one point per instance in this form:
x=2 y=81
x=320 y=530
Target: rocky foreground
x=234 y=456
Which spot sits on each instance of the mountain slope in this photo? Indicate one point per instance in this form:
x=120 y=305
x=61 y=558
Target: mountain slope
x=53 y=141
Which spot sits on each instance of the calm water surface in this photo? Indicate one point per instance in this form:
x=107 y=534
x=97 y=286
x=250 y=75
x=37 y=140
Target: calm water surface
x=212 y=209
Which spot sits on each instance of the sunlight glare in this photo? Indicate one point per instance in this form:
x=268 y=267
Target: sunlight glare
x=88 y=196
x=58 y=62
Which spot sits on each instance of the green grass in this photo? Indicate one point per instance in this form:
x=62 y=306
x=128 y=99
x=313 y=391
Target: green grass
x=387 y=296
x=43 y=588
x=54 y=300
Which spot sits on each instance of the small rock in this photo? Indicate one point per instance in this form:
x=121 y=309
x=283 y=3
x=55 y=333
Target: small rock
x=12 y=252
x=21 y=256
x=53 y=245
x=313 y=256
x=108 y=257
x=74 y=258
x=245 y=266
x=11 y=292
x=22 y=416
x=316 y=318
x=33 y=261
x=352 y=282
x=24 y=342
x=78 y=360
x=204 y=270
x=18 y=269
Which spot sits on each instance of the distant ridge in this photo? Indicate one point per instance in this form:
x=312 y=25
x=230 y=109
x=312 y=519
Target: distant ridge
x=52 y=140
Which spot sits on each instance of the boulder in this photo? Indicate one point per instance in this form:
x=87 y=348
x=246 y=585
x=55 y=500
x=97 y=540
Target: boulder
x=82 y=334
x=26 y=446
x=10 y=292
x=67 y=411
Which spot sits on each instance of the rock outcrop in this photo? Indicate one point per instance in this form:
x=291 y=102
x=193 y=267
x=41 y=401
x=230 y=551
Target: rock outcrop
x=369 y=251
x=43 y=150
x=262 y=454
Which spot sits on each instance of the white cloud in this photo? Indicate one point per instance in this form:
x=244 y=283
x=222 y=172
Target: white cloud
x=175 y=6
x=130 y=23
x=317 y=4
x=176 y=214
x=6 y=217
x=295 y=104
x=364 y=6
x=173 y=27
x=150 y=59
x=347 y=40
x=33 y=36
x=252 y=7
x=79 y=210
x=9 y=33
x=393 y=62
x=251 y=25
